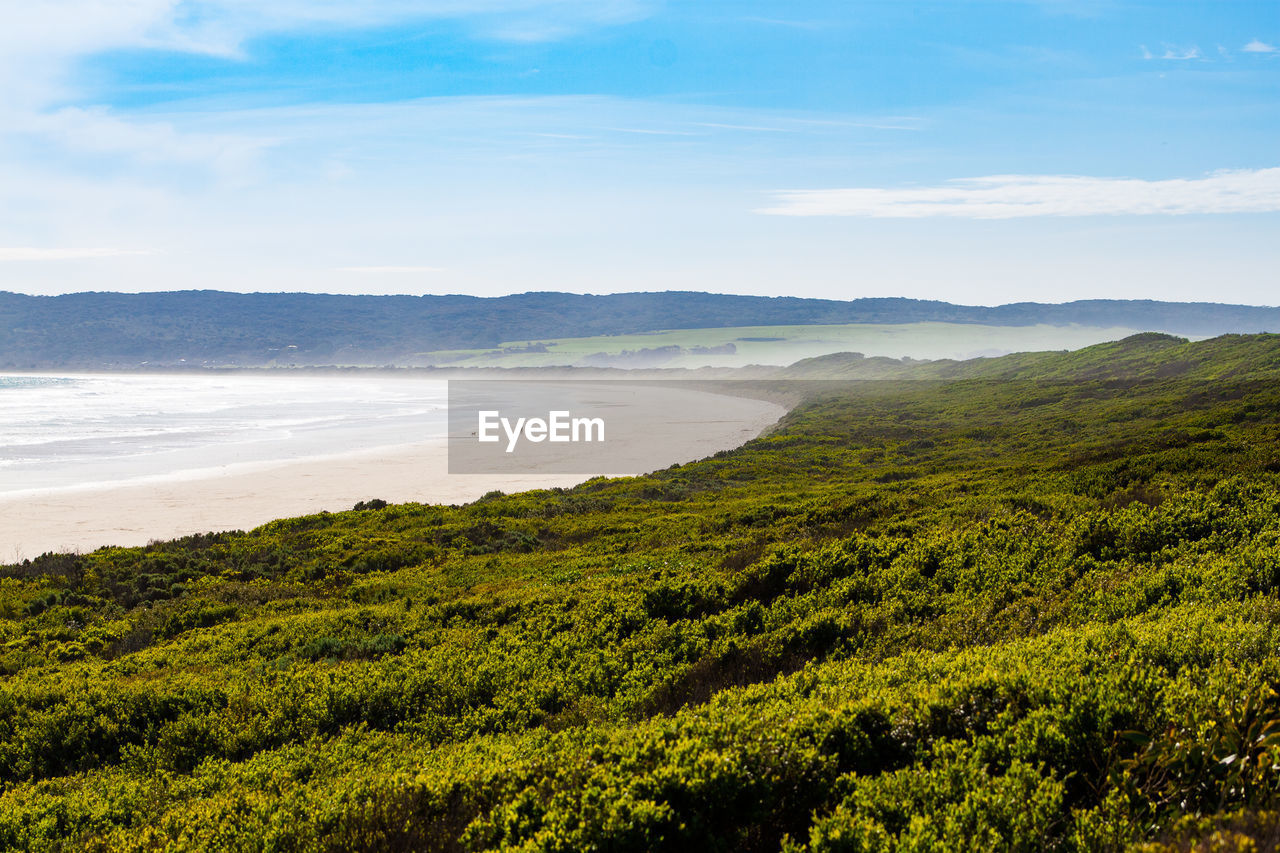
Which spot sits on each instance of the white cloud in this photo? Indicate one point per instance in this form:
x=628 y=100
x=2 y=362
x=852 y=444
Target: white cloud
x=1175 y=53
x=76 y=27
x=1014 y=196
x=42 y=43
x=96 y=131
x=26 y=253
x=1181 y=53
x=1257 y=46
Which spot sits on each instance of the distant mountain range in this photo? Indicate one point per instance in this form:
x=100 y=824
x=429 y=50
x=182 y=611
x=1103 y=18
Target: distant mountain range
x=119 y=330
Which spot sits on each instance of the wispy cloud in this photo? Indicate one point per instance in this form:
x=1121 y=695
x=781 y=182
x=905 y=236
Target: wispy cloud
x=41 y=43
x=96 y=131
x=752 y=128
x=220 y=27
x=1179 y=54
x=391 y=269
x=1257 y=46
x=27 y=253
x=652 y=131
x=548 y=20
x=1014 y=196
x=884 y=123
x=1172 y=52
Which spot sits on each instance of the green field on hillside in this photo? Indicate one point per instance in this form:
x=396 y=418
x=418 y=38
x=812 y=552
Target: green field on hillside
x=779 y=345
x=1031 y=606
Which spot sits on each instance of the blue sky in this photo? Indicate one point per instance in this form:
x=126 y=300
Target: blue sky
x=977 y=152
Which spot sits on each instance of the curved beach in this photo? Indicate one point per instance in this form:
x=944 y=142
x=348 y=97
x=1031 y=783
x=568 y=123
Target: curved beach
x=246 y=495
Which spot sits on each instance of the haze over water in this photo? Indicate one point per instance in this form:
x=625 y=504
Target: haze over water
x=68 y=431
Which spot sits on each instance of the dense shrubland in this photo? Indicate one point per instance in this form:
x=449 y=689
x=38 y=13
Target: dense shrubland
x=1034 y=606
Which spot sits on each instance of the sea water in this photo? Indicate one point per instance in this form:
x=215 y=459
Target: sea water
x=66 y=431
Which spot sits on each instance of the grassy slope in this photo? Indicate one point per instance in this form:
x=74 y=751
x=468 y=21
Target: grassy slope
x=1147 y=356
x=1034 y=612
x=780 y=345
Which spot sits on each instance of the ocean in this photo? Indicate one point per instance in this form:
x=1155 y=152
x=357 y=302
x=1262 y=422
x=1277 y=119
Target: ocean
x=67 y=431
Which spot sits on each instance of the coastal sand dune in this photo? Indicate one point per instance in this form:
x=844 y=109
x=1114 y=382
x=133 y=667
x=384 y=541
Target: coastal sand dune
x=246 y=496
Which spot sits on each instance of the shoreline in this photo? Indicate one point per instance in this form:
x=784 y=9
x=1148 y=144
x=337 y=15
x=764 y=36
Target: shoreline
x=84 y=518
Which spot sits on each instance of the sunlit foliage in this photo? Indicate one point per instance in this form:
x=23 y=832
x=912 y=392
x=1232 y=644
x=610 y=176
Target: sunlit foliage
x=1034 y=606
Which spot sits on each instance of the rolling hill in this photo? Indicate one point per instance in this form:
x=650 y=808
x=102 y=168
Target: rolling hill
x=118 y=330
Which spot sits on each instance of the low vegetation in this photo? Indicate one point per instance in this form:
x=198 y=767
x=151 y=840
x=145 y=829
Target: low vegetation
x=742 y=346
x=1031 y=605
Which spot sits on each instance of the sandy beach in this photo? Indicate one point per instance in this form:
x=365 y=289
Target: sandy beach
x=246 y=496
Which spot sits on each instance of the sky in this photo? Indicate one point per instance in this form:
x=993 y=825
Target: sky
x=973 y=152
